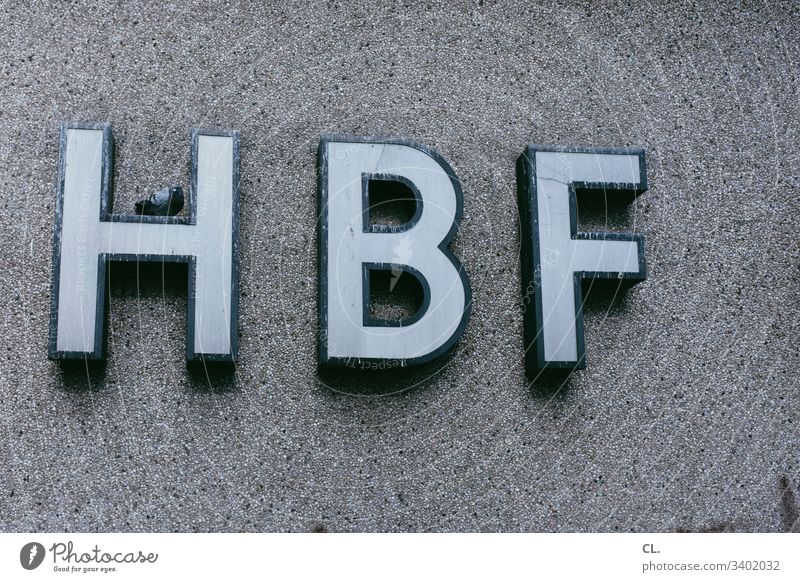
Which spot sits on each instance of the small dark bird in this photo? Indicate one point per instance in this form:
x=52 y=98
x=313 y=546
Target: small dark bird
x=166 y=202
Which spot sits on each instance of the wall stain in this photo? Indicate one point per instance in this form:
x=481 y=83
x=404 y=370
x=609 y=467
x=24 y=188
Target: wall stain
x=790 y=513
x=714 y=528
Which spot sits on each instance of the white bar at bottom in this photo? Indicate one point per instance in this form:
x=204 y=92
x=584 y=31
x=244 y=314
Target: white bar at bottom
x=378 y=557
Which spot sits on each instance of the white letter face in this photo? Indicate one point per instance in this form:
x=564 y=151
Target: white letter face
x=555 y=257
x=350 y=247
x=88 y=236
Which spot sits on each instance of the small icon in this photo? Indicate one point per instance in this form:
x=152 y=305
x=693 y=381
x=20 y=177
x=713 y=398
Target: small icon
x=32 y=555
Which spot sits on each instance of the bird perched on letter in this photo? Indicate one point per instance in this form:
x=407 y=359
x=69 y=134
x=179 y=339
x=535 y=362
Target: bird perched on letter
x=166 y=202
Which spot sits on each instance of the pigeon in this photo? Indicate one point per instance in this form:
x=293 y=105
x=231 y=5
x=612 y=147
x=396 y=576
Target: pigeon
x=166 y=202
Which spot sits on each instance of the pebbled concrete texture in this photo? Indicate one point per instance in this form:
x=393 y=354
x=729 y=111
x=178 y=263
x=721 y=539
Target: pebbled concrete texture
x=686 y=418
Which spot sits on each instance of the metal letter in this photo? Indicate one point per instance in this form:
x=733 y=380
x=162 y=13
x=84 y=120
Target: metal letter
x=555 y=257
x=350 y=247
x=88 y=236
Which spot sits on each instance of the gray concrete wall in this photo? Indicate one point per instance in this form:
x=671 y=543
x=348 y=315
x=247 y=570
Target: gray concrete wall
x=686 y=417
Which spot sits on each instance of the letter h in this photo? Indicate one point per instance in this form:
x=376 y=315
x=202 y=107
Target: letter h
x=88 y=236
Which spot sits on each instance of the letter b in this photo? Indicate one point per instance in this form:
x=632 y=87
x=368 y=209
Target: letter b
x=351 y=248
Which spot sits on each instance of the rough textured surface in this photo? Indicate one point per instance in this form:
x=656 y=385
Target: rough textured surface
x=687 y=415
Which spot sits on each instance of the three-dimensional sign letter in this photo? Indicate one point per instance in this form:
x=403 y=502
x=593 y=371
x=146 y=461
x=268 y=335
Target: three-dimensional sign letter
x=351 y=247
x=88 y=236
x=556 y=257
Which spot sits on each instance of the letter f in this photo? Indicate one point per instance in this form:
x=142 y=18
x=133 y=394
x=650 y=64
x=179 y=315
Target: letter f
x=556 y=257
